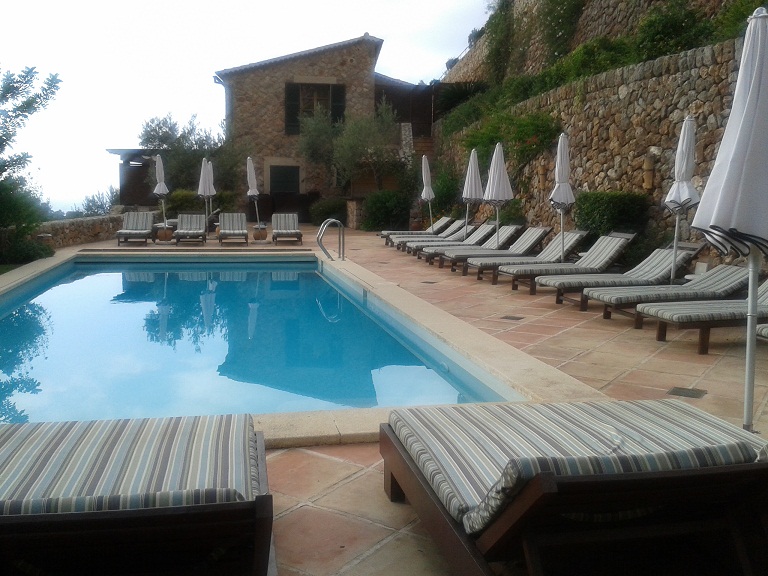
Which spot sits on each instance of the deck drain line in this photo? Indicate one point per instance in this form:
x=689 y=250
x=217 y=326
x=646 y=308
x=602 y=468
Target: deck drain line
x=687 y=392
x=428 y=282
x=512 y=318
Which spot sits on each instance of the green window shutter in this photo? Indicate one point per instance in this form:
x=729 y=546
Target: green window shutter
x=292 y=107
x=338 y=102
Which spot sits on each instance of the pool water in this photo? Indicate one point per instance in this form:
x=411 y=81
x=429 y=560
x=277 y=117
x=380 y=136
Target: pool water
x=141 y=340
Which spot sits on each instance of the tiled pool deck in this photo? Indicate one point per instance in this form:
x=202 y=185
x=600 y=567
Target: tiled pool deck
x=331 y=515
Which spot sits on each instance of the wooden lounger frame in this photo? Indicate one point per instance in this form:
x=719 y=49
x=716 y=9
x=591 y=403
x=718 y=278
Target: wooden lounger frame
x=152 y=540
x=729 y=500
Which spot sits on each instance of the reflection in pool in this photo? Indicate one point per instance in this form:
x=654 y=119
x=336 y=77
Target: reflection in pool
x=157 y=340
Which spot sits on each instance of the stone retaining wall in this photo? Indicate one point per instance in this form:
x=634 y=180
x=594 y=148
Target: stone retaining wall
x=624 y=126
x=80 y=230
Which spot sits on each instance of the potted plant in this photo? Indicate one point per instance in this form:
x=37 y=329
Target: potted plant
x=260 y=231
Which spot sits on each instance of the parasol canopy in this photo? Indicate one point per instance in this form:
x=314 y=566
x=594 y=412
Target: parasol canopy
x=733 y=207
x=561 y=196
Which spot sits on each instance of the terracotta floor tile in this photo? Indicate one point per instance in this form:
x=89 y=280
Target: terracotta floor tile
x=304 y=474
x=582 y=370
x=321 y=542
x=365 y=497
x=362 y=454
x=418 y=554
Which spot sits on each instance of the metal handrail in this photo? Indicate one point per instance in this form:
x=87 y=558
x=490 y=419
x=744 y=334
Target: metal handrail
x=321 y=232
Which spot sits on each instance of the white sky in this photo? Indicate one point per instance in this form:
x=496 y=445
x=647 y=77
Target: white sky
x=124 y=63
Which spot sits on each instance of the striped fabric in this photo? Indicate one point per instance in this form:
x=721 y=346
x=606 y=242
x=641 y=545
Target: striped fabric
x=485 y=232
x=395 y=239
x=762 y=330
x=285 y=226
x=601 y=255
x=478 y=456
x=528 y=240
x=721 y=281
x=233 y=225
x=438 y=226
x=706 y=310
x=456 y=237
x=653 y=270
x=190 y=226
x=551 y=253
x=136 y=226
x=54 y=467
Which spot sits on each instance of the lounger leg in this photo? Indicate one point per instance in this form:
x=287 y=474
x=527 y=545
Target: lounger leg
x=661 y=331
x=584 y=303
x=606 y=312
x=704 y=340
x=495 y=276
x=559 y=296
x=638 y=321
x=441 y=263
x=532 y=286
x=392 y=489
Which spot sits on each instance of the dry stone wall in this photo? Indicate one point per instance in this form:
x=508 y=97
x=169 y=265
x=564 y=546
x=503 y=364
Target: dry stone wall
x=624 y=126
x=62 y=233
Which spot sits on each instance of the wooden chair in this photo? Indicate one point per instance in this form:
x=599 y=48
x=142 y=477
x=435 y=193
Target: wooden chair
x=286 y=226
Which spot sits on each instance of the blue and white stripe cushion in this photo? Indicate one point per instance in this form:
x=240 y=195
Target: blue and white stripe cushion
x=653 y=270
x=52 y=467
x=478 y=456
x=706 y=310
x=722 y=280
x=762 y=330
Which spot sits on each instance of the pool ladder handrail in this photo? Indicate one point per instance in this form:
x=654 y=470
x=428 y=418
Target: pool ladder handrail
x=321 y=233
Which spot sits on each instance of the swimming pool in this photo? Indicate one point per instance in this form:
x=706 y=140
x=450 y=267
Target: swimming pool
x=123 y=339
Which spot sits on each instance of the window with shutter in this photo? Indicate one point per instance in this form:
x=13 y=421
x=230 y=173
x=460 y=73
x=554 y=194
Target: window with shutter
x=303 y=99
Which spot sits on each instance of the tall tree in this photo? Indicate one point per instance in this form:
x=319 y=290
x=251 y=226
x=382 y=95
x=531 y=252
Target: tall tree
x=21 y=208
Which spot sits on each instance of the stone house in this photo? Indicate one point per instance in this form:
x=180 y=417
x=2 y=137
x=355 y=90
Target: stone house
x=265 y=101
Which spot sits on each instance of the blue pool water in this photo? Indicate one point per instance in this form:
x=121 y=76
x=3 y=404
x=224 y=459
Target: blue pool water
x=135 y=340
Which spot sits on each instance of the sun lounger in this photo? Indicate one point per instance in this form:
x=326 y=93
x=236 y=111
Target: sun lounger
x=397 y=239
x=151 y=495
x=525 y=244
x=762 y=331
x=720 y=282
x=570 y=482
x=552 y=253
x=136 y=226
x=602 y=254
x=441 y=224
x=655 y=269
x=286 y=226
x=506 y=233
x=409 y=245
x=703 y=314
x=232 y=225
x=478 y=236
x=191 y=227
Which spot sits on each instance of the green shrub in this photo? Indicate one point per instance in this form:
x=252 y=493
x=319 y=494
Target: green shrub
x=15 y=249
x=731 y=22
x=387 y=210
x=602 y=212
x=671 y=28
x=181 y=200
x=447 y=186
x=326 y=208
x=512 y=213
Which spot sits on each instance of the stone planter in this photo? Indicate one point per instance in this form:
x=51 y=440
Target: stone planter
x=164 y=233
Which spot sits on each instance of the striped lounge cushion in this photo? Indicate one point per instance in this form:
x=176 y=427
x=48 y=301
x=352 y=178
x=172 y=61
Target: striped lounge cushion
x=718 y=282
x=53 y=467
x=477 y=457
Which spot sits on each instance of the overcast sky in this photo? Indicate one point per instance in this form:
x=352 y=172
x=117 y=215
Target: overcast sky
x=123 y=63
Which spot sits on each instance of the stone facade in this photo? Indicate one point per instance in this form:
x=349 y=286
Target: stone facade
x=256 y=110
